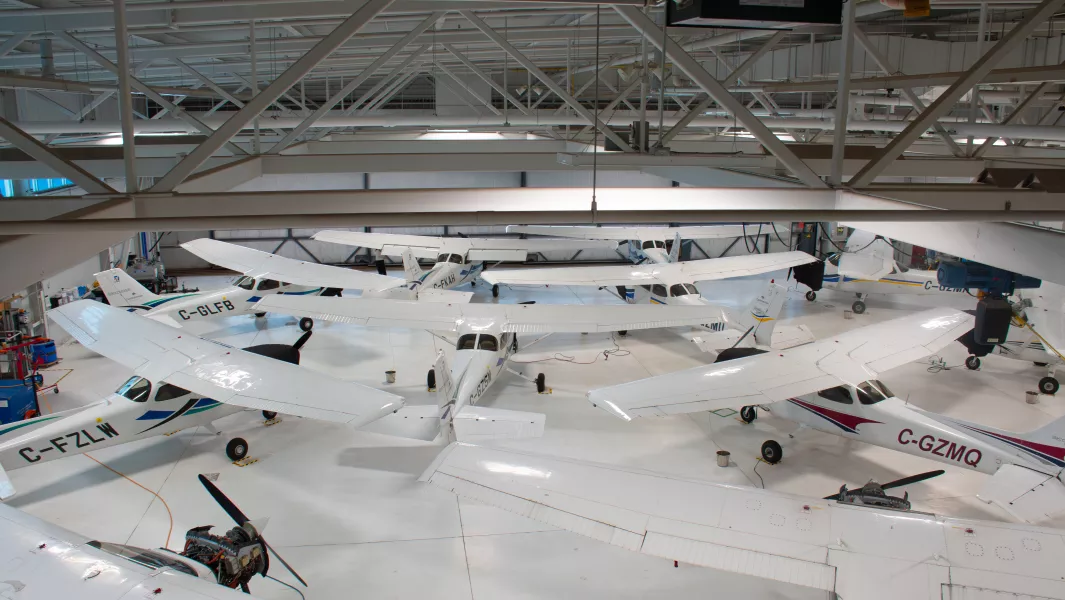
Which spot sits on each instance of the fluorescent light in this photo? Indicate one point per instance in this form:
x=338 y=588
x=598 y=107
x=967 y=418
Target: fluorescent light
x=449 y=131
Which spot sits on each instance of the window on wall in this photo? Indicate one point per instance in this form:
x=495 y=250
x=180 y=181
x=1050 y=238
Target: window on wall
x=34 y=186
x=6 y=189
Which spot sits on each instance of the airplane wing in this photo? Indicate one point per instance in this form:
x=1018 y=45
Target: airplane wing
x=218 y=371
x=852 y=357
x=706 y=232
x=391 y=244
x=37 y=560
x=475 y=249
x=518 y=318
x=665 y=273
x=255 y=263
x=847 y=551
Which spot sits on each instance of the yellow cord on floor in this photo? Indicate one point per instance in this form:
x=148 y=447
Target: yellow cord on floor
x=134 y=482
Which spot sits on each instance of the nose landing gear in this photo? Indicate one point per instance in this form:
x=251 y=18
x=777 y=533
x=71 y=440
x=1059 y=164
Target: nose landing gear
x=859 y=305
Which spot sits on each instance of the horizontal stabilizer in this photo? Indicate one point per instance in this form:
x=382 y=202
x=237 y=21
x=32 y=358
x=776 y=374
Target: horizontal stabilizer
x=6 y=489
x=17 y=429
x=1028 y=495
x=479 y=423
x=413 y=422
x=446 y=296
x=784 y=337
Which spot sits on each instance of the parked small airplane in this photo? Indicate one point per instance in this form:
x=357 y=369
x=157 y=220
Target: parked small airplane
x=833 y=386
x=842 y=548
x=674 y=284
x=458 y=260
x=654 y=244
x=179 y=381
x=264 y=273
x=867 y=266
x=487 y=339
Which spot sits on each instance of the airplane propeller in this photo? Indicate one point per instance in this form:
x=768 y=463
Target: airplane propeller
x=240 y=518
x=901 y=482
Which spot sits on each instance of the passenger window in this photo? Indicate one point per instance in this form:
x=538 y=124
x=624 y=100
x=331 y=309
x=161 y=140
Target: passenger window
x=646 y=288
x=658 y=290
x=246 y=283
x=660 y=244
x=648 y=244
x=837 y=394
x=467 y=342
x=682 y=289
x=268 y=284
x=136 y=389
x=169 y=392
x=873 y=391
x=487 y=342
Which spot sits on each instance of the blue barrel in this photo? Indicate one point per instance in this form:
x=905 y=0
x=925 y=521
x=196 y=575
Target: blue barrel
x=44 y=352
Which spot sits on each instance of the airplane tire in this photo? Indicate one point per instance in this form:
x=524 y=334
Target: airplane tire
x=1048 y=385
x=858 y=307
x=269 y=415
x=1039 y=364
x=473 y=283
x=306 y=324
x=430 y=379
x=772 y=452
x=748 y=414
x=811 y=295
x=623 y=332
x=541 y=383
x=495 y=291
x=972 y=363
x=260 y=315
x=236 y=449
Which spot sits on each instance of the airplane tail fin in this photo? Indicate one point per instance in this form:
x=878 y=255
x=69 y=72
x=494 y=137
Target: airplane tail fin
x=674 y=252
x=122 y=290
x=762 y=313
x=411 y=266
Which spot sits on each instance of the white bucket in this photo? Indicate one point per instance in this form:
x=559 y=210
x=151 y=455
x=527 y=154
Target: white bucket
x=1031 y=397
x=848 y=314
x=722 y=458
x=390 y=376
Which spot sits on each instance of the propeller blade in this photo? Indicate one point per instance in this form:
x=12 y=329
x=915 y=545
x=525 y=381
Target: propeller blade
x=224 y=501
x=832 y=497
x=303 y=340
x=287 y=566
x=912 y=479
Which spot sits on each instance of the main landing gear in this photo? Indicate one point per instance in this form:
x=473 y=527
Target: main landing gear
x=859 y=305
x=771 y=450
x=1048 y=385
x=306 y=324
x=237 y=449
x=541 y=383
x=495 y=290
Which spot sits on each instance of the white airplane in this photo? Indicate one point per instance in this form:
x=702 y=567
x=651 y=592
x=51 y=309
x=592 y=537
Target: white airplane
x=458 y=260
x=867 y=266
x=1036 y=334
x=654 y=244
x=863 y=546
x=833 y=386
x=179 y=381
x=264 y=273
x=674 y=284
x=487 y=338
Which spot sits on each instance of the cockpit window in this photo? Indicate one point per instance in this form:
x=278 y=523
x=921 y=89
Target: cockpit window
x=654 y=244
x=873 y=391
x=488 y=342
x=146 y=558
x=451 y=258
x=136 y=389
x=682 y=289
x=467 y=342
x=834 y=259
x=268 y=284
x=837 y=394
x=246 y=283
x=169 y=392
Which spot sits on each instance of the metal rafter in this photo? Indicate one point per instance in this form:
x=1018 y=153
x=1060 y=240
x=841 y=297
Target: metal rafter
x=44 y=154
x=484 y=76
x=1014 y=116
x=720 y=93
x=464 y=88
x=348 y=88
x=948 y=98
x=539 y=74
x=256 y=105
x=843 y=94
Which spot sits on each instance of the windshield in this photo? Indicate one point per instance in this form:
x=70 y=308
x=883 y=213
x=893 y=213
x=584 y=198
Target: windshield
x=246 y=283
x=487 y=342
x=467 y=342
x=654 y=244
x=146 y=558
x=873 y=391
x=136 y=389
x=682 y=289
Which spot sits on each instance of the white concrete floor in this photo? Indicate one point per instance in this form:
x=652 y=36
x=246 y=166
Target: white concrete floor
x=346 y=509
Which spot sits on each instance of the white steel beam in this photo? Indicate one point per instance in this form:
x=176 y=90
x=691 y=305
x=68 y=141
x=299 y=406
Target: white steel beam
x=720 y=93
x=125 y=97
x=843 y=94
x=257 y=104
x=495 y=86
x=462 y=87
x=328 y=105
x=12 y=43
x=141 y=87
x=539 y=74
x=44 y=154
x=1015 y=115
x=948 y=98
